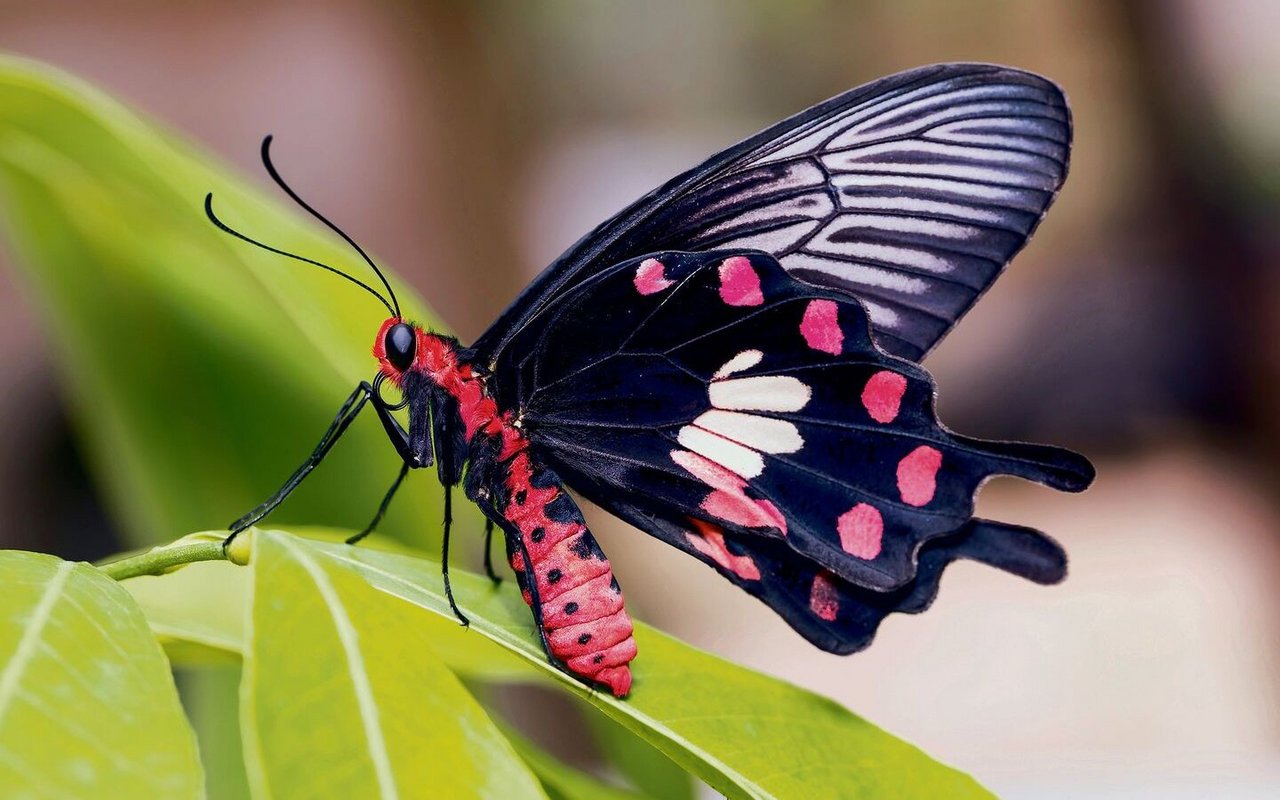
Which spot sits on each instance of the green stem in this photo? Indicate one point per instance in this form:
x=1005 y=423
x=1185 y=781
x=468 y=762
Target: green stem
x=163 y=559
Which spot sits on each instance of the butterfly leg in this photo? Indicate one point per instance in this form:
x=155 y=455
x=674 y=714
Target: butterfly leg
x=444 y=556
x=346 y=415
x=382 y=507
x=518 y=554
x=488 y=552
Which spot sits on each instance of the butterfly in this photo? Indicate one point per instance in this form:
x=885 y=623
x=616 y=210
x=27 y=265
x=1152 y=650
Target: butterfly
x=732 y=365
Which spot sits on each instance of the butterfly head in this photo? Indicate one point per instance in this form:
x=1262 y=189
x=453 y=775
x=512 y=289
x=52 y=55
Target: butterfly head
x=403 y=347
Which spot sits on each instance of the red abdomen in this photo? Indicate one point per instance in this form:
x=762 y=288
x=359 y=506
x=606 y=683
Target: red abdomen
x=568 y=583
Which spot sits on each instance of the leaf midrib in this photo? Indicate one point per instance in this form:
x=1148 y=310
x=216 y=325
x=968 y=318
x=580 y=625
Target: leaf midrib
x=365 y=700
x=26 y=649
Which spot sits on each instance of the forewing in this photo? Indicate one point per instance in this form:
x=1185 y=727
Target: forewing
x=716 y=386
x=911 y=192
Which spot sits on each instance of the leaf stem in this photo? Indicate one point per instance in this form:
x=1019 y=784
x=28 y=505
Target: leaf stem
x=163 y=559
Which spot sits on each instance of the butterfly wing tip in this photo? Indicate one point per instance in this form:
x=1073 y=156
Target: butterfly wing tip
x=1021 y=551
x=1078 y=472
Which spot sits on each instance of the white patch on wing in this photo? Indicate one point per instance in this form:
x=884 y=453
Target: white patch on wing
x=881 y=316
x=944 y=154
x=947 y=111
x=772 y=241
x=916 y=205
x=898 y=256
x=730 y=455
x=849 y=162
x=859 y=273
x=1025 y=199
x=744 y=360
x=801 y=208
x=766 y=434
x=762 y=393
x=900 y=224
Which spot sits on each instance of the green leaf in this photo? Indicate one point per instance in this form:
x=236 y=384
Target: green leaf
x=343 y=695
x=640 y=762
x=563 y=782
x=88 y=707
x=200 y=370
x=743 y=733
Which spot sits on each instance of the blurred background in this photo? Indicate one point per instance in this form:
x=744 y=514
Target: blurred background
x=468 y=143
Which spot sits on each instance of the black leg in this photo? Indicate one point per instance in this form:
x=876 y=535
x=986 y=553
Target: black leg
x=382 y=507
x=346 y=415
x=488 y=552
x=531 y=585
x=444 y=558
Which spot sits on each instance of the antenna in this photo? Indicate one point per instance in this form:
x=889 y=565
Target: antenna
x=275 y=176
x=225 y=228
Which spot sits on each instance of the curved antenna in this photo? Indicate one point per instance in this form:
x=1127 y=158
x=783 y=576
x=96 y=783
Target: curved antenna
x=225 y=228
x=275 y=176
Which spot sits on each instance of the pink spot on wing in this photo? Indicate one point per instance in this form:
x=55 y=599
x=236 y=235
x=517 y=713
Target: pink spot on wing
x=739 y=283
x=727 y=500
x=824 y=599
x=709 y=540
x=861 y=530
x=882 y=396
x=917 y=475
x=821 y=327
x=650 y=277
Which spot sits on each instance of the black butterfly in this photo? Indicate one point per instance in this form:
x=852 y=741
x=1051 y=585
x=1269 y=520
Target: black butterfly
x=730 y=364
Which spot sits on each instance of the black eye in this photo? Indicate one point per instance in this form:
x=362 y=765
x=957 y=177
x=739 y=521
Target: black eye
x=400 y=344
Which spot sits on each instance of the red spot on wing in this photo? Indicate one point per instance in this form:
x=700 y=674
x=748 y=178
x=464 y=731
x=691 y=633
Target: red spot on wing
x=709 y=540
x=821 y=327
x=861 y=531
x=728 y=501
x=650 y=277
x=739 y=283
x=917 y=475
x=882 y=396
x=824 y=600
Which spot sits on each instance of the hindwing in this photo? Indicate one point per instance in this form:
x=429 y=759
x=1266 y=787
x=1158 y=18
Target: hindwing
x=718 y=387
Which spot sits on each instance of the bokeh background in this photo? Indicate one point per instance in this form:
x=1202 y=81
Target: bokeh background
x=468 y=143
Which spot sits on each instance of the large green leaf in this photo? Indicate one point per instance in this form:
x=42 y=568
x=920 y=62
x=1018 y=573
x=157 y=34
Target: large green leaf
x=640 y=762
x=343 y=695
x=745 y=734
x=200 y=370
x=563 y=782
x=87 y=704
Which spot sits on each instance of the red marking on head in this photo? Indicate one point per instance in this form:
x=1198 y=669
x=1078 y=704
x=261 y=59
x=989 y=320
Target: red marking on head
x=882 y=396
x=380 y=351
x=728 y=501
x=820 y=327
x=650 y=278
x=917 y=475
x=861 y=531
x=739 y=283
x=709 y=540
x=824 y=599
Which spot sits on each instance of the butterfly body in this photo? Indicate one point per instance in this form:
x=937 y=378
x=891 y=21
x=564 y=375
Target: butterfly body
x=731 y=365
x=563 y=574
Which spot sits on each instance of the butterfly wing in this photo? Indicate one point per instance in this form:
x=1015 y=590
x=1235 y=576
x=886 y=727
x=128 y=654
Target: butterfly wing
x=834 y=614
x=716 y=386
x=911 y=192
